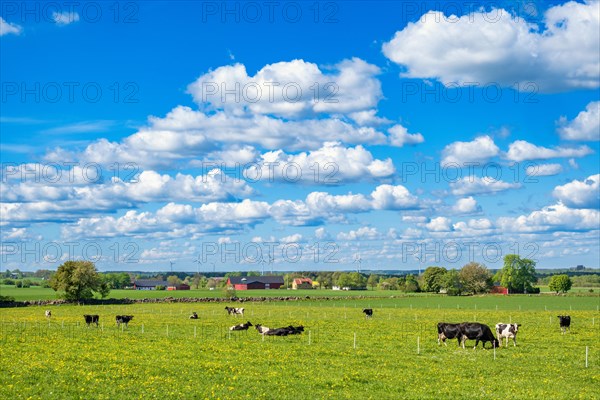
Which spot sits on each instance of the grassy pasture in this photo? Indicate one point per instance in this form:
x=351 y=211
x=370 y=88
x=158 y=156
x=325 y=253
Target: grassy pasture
x=163 y=354
x=40 y=293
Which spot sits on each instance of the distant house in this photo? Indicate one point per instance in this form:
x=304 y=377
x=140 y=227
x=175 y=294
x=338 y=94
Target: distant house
x=499 y=290
x=302 y=283
x=255 y=282
x=181 y=286
x=148 y=284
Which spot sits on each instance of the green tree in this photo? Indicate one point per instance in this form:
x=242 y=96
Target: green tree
x=373 y=281
x=452 y=283
x=560 y=283
x=344 y=280
x=211 y=283
x=173 y=280
x=79 y=280
x=476 y=278
x=410 y=284
x=432 y=279
x=518 y=274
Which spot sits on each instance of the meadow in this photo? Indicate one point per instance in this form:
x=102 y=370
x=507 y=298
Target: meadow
x=341 y=355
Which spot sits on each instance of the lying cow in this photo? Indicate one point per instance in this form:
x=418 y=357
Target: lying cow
x=448 y=331
x=48 y=314
x=235 y=311
x=478 y=332
x=241 y=327
x=262 y=329
x=288 y=330
x=194 y=315
x=508 y=331
x=91 y=319
x=368 y=312
x=123 y=319
x=565 y=323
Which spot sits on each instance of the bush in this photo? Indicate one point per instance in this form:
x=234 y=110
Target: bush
x=26 y=283
x=453 y=292
x=7 y=299
x=19 y=284
x=535 y=290
x=8 y=281
x=45 y=284
x=160 y=287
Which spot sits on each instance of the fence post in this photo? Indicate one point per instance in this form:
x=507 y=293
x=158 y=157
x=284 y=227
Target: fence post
x=418 y=344
x=355 y=340
x=308 y=338
x=586 y=356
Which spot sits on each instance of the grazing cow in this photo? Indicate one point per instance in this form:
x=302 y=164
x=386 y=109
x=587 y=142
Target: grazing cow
x=565 y=323
x=262 y=329
x=235 y=311
x=123 y=319
x=368 y=312
x=241 y=327
x=507 y=331
x=91 y=319
x=48 y=314
x=478 y=332
x=288 y=330
x=194 y=315
x=448 y=331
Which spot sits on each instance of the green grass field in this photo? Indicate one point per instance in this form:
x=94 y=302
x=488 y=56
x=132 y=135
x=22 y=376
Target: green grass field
x=40 y=293
x=163 y=354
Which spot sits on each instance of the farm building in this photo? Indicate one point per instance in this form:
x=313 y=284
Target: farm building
x=148 y=284
x=181 y=286
x=255 y=282
x=302 y=283
x=499 y=290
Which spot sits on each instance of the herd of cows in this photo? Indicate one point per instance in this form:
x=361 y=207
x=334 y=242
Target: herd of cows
x=461 y=332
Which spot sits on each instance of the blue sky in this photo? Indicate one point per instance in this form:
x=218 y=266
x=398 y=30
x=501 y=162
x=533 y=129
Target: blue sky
x=305 y=135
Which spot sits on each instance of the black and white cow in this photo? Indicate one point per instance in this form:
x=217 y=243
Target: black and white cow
x=91 y=319
x=508 y=331
x=48 y=314
x=235 y=311
x=478 y=332
x=194 y=315
x=262 y=329
x=368 y=312
x=288 y=330
x=565 y=323
x=448 y=331
x=123 y=319
x=241 y=327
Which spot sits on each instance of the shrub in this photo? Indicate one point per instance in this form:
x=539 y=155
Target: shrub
x=453 y=292
x=19 y=284
x=7 y=299
x=8 y=281
x=160 y=287
x=26 y=283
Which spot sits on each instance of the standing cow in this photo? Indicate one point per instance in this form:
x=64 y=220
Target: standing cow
x=91 y=319
x=565 y=323
x=48 y=314
x=507 y=331
x=123 y=319
x=368 y=312
x=478 y=332
x=448 y=331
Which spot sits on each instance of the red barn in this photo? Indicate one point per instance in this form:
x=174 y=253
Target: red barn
x=499 y=290
x=255 y=282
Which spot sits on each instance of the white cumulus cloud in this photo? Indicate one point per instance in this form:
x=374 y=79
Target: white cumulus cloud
x=580 y=194
x=560 y=53
x=585 y=126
